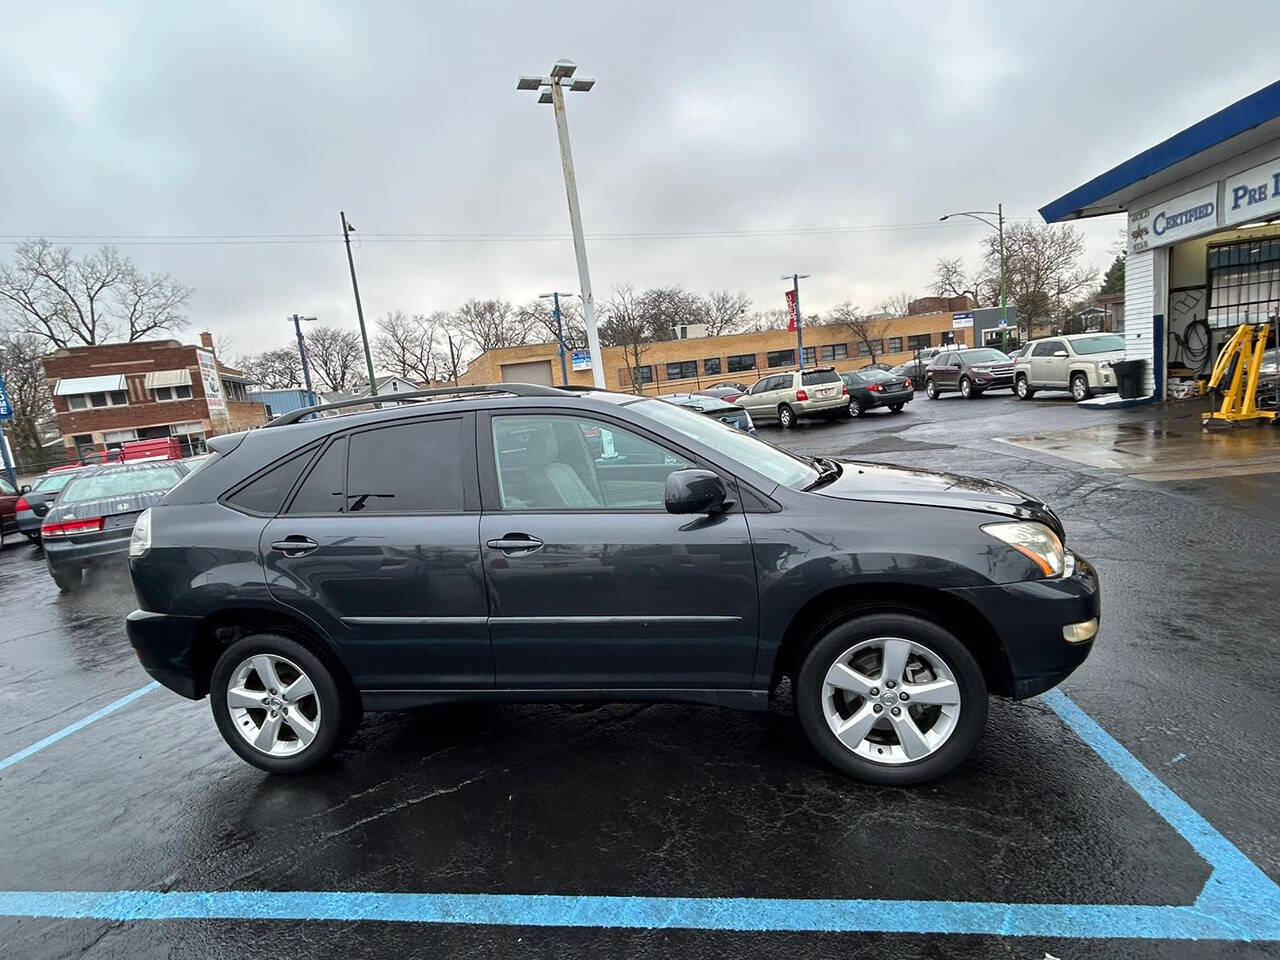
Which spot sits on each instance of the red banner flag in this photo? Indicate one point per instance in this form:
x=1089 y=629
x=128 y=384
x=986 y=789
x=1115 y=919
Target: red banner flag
x=791 y=310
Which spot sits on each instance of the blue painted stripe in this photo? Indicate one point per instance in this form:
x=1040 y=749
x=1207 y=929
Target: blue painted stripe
x=1238 y=903
x=80 y=724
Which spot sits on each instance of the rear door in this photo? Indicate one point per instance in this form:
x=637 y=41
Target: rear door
x=379 y=545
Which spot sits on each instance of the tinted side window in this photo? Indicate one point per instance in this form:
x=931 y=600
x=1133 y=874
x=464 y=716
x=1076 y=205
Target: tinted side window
x=1045 y=349
x=322 y=491
x=266 y=494
x=413 y=467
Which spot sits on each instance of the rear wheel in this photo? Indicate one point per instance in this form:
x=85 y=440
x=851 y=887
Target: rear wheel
x=786 y=416
x=1080 y=387
x=895 y=408
x=855 y=408
x=1023 y=389
x=931 y=390
x=277 y=705
x=34 y=536
x=889 y=698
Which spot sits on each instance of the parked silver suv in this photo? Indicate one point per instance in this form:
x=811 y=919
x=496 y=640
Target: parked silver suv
x=785 y=397
x=1080 y=363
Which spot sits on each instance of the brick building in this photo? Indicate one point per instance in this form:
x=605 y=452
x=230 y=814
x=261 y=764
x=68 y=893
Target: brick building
x=109 y=394
x=678 y=366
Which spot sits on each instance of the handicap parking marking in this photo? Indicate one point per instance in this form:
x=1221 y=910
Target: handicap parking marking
x=1239 y=902
x=80 y=724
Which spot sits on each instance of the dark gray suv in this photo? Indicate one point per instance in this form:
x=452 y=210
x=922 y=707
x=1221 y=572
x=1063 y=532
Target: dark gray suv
x=520 y=542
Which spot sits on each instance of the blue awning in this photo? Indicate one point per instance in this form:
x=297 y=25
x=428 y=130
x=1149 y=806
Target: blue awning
x=1243 y=125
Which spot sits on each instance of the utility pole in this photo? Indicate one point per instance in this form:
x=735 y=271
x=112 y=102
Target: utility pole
x=998 y=227
x=555 y=312
x=297 y=322
x=364 y=336
x=795 y=279
x=453 y=359
x=562 y=72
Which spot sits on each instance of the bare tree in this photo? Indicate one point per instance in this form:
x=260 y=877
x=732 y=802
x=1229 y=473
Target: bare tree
x=867 y=331
x=724 y=312
x=96 y=298
x=279 y=369
x=896 y=305
x=540 y=316
x=408 y=345
x=950 y=279
x=626 y=325
x=491 y=324
x=1044 y=269
x=336 y=357
x=762 y=321
x=24 y=380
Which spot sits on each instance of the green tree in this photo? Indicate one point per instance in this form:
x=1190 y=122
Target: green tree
x=1113 y=279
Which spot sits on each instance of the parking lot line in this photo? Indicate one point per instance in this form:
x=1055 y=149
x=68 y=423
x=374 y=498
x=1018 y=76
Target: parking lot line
x=1238 y=902
x=80 y=724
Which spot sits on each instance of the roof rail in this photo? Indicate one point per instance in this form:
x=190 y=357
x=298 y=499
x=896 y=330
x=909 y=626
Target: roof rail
x=515 y=389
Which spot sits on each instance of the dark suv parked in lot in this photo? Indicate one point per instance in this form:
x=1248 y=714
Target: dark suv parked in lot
x=521 y=542
x=970 y=371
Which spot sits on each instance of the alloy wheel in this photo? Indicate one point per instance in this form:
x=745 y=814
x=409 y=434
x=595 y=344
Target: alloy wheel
x=786 y=417
x=855 y=408
x=891 y=701
x=1022 y=388
x=966 y=388
x=1079 y=387
x=273 y=705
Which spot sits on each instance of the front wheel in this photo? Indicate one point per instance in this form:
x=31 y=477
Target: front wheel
x=1023 y=389
x=1080 y=387
x=895 y=408
x=892 y=699
x=931 y=390
x=966 y=388
x=276 y=704
x=786 y=416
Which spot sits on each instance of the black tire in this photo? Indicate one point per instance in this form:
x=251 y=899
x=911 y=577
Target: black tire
x=896 y=407
x=334 y=707
x=856 y=409
x=1080 y=389
x=786 y=416
x=68 y=579
x=931 y=389
x=966 y=388
x=32 y=537
x=1022 y=389
x=836 y=637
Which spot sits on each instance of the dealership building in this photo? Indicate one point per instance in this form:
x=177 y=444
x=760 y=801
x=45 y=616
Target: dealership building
x=1203 y=210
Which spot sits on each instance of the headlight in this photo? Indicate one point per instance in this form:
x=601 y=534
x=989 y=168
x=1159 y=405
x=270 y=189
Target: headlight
x=981 y=369
x=1034 y=541
x=1104 y=365
x=140 y=542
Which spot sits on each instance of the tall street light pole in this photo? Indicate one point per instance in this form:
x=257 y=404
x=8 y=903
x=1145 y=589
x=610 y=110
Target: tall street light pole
x=297 y=322
x=552 y=88
x=555 y=312
x=347 y=228
x=795 y=279
x=998 y=226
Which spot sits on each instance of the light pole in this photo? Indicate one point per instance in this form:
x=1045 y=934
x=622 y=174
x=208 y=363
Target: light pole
x=297 y=322
x=552 y=88
x=998 y=227
x=347 y=230
x=555 y=312
x=795 y=279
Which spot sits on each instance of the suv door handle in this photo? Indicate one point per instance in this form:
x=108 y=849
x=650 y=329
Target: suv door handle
x=295 y=546
x=515 y=543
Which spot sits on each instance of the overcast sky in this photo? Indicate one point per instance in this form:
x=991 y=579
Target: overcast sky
x=147 y=120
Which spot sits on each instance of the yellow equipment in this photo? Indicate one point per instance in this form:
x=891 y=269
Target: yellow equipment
x=1240 y=402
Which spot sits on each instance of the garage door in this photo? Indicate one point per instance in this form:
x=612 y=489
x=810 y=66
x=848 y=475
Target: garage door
x=532 y=371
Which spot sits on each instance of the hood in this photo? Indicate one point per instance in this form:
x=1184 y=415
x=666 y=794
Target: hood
x=878 y=483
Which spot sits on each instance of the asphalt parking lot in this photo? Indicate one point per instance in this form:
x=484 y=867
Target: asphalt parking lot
x=1139 y=806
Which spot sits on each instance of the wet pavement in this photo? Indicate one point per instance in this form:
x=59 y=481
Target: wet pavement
x=688 y=802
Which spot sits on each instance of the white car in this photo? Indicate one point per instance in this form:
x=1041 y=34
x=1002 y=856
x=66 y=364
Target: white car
x=1079 y=362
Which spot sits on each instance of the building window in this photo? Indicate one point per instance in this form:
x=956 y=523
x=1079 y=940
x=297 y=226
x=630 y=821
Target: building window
x=835 y=351
x=642 y=374
x=235 y=391
x=114 y=439
x=169 y=394
x=190 y=436
x=711 y=366
x=780 y=358
x=1244 y=282
x=810 y=355
x=83 y=401
x=741 y=362
x=895 y=345
x=682 y=370
x=866 y=347
x=919 y=341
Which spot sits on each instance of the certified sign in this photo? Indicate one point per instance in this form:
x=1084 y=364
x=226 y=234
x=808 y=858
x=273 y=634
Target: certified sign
x=1189 y=215
x=1252 y=194
x=581 y=360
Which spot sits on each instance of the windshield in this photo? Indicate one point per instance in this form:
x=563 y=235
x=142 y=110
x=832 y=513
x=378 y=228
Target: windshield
x=874 y=376
x=765 y=458
x=53 y=482
x=1109 y=343
x=985 y=355
x=120 y=483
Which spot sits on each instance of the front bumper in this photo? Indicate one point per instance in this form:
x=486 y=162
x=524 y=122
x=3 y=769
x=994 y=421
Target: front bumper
x=163 y=645
x=993 y=382
x=1028 y=618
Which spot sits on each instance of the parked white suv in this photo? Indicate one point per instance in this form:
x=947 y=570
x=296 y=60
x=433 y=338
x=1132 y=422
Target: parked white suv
x=786 y=397
x=1080 y=363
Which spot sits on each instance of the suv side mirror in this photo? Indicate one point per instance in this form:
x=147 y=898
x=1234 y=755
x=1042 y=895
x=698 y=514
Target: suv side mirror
x=1060 y=353
x=26 y=488
x=696 y=491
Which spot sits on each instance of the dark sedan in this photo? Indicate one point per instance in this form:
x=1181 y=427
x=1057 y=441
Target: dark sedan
x=35 y=503
x=869 y=389
x=729 y=413
x=92 y=519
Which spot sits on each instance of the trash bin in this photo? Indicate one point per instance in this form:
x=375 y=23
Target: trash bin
x=1129 y=377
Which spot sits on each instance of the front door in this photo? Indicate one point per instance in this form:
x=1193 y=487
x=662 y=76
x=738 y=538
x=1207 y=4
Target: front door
x=591 y=582
x=380 y=547
x=1048 y=368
